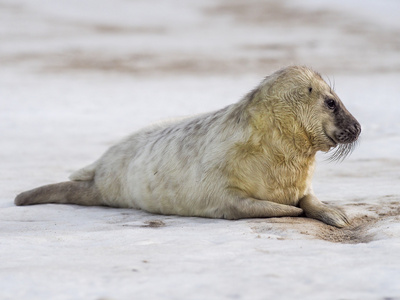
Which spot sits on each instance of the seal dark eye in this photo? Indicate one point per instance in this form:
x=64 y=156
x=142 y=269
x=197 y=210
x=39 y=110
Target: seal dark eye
x=330 y=103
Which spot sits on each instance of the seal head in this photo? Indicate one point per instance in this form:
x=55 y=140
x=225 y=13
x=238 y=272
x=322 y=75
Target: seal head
x=318 y=110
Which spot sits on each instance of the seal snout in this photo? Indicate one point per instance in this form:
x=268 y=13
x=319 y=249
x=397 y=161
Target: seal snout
x=349 y=134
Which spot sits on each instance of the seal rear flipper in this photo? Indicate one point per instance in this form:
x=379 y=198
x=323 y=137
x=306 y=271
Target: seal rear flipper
x=69 y=192
x=85 y=174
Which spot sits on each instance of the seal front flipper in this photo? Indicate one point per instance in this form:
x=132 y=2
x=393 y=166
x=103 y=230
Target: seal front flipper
x=313 y=208
x=255 y=208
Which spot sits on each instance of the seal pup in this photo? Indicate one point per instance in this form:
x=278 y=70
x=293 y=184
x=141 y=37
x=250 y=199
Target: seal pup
x=254 y=158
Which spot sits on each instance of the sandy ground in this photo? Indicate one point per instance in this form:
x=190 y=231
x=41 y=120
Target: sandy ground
x=78 y=76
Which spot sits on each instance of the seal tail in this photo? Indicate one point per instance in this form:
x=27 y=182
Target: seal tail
x=69 y=192
x=85 y=174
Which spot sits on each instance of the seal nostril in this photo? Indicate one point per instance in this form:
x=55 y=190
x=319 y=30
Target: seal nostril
x=357 y=127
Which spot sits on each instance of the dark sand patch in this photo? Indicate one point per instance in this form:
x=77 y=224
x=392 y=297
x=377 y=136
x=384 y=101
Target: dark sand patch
x=154 y=224
x=367 y=216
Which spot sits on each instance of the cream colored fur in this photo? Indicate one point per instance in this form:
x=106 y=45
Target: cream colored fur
x=254 y=158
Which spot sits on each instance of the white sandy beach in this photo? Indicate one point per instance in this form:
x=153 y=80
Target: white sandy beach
x=78 y=76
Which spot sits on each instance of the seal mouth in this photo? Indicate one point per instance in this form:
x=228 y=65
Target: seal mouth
x=341 y=146
x=332 y=143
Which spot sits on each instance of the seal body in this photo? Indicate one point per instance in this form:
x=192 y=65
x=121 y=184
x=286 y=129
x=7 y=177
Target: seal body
x=254 y=158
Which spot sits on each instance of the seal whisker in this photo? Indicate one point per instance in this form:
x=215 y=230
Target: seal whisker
x=342 y=151
x=330 y=84
x=334 y=83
